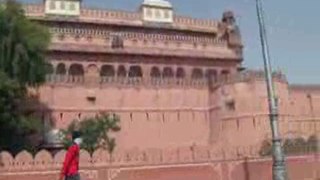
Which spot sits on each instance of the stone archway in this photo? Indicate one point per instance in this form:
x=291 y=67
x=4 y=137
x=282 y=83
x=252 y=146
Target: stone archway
x=197 y=73
x=61 y=69
x=180 y=74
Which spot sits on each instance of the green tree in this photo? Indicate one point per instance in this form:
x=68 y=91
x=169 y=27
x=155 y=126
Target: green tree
x=23 y=45
x=95 y=132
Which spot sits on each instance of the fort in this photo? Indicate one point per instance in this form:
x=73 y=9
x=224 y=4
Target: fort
x=188 y=108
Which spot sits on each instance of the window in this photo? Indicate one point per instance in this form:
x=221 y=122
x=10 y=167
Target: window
x=62 y=5
x=72 y=7
x=107 y=70
x=180 y=73
x=61 y=69
x=117 y=42
x=166 y=14
x=76 y=70
x=52 y=5
x=149 y=13
x=197 y=73
x=155 y=72
x=135 y=71
x=158 y=13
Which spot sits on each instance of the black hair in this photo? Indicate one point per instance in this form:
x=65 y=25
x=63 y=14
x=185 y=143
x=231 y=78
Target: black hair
x=75 y=135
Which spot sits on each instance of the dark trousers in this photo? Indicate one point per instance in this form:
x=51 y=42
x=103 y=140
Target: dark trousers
x=73 y=177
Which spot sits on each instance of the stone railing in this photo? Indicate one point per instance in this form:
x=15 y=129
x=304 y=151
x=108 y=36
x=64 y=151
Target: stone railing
x=65 y=79
x=165 y=82
x=104 y=15
x=129 y=81
x=187 y=21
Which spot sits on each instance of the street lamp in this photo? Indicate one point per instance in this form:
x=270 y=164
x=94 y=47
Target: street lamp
x=279 y=168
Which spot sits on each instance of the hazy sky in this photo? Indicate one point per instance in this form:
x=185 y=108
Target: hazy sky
x=293 y=30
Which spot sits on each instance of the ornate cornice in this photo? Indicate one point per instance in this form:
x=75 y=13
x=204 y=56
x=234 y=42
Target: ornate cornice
x=190 y=53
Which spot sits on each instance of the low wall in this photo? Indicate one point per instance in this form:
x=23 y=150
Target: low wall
x=189 y=163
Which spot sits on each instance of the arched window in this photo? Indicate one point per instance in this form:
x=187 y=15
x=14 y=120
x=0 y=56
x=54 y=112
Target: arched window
x=76 y=70
x=180 y=73
x=167 y=72
x=52 y=5
x=107 y=70
x=155 y=72
x=197 y=73
x=135 y=71
x=225 y=74
x=211 y=74
x=61 y=69
x=49 y=69
x=122 y=72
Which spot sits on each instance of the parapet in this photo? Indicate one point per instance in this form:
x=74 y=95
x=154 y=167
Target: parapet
x=37 y=11
x=151 y=157
x=250 y=75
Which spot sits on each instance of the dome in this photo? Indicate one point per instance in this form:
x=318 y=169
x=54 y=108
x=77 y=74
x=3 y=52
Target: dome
x=158 y=3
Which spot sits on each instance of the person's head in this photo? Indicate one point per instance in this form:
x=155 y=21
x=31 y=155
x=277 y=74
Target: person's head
x=76 y=137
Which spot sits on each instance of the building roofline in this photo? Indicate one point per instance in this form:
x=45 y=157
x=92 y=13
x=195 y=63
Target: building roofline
x=305 y=87
x=129 y=18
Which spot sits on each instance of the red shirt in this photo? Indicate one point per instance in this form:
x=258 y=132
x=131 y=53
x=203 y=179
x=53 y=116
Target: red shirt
x=71 y=161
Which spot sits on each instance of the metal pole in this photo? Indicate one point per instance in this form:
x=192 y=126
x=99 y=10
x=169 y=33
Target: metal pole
x=279 y=168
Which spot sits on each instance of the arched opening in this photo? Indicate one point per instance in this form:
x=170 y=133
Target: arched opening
x=135 y=71
x=76 y=70
x=167 y=72
x=107 y=70
x=211 y=75
x=49 y=69
x=61 y=69
x=225 y=74
x=122 y=72
x=197 y=73
x=155 y=72
x=180 y=73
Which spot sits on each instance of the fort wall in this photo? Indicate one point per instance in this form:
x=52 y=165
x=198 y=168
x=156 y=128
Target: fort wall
x=181 y=163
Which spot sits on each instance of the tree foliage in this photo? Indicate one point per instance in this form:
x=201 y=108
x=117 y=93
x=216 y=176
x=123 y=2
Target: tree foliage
x=23 y=44
x=96 y=132
x=22 y=64
x=293 y=146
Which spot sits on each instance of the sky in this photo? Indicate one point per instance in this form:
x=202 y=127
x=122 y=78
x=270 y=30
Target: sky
x=293 y=30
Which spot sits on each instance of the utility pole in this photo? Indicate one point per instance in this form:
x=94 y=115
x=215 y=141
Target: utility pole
x=279 y=171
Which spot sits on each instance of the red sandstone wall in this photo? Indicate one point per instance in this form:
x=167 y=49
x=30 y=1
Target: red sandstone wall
x=169 y=117
x=180 y=116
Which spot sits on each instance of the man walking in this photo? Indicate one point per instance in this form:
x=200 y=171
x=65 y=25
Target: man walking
x=71 y=162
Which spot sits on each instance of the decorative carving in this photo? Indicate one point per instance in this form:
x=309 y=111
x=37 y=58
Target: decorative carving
x=113 y=173
x=117 y=42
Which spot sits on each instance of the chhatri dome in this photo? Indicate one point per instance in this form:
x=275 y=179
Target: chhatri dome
x=158 y=3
